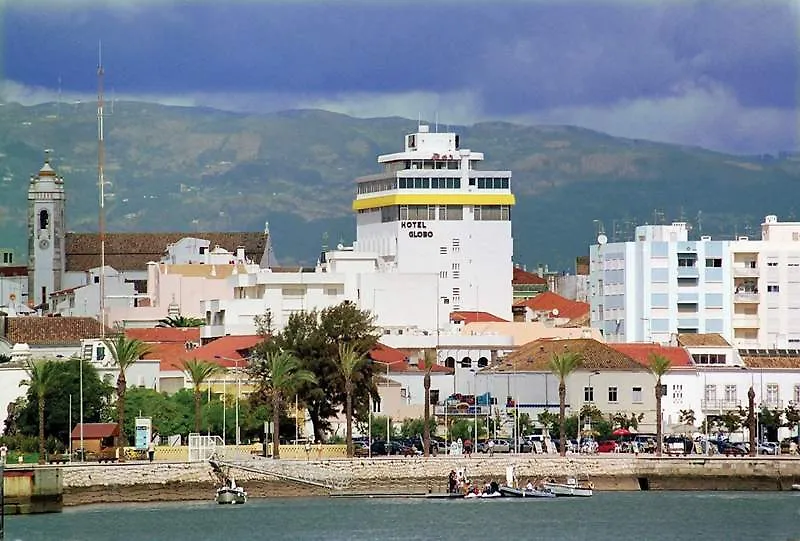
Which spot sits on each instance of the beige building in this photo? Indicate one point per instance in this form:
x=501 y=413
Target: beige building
x=610 y=380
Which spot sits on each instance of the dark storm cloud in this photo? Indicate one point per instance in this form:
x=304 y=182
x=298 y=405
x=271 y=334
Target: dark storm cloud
x=520 y=56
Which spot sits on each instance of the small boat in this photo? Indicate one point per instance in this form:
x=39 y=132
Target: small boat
x=231 y=493
x=512 y=492
x=570 y=488
x=795 y=486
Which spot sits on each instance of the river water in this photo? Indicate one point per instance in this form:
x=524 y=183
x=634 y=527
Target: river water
x=651 y=516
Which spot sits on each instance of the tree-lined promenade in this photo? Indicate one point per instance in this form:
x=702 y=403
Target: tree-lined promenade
x=319 y=361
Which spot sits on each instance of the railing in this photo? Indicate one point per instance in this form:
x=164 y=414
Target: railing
x=456 y=411
x=745 y=296
x=719 y=405
x=745 y=272
x=772 y=404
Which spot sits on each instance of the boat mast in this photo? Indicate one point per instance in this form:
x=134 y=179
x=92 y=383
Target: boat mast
x=101 y=186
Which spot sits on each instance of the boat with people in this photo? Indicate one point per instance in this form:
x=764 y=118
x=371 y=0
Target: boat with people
x=571 y=487
x=231 y=493
x=512 y=489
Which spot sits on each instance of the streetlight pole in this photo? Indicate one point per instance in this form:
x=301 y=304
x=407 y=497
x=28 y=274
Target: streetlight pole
x=475 y=410
x=238 y=392
x=591 y=391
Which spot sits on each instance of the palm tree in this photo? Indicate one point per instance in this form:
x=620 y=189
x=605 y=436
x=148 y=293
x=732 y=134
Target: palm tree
x=125 y=352
x=562 y=366
x=41 y=381
x=283 y=375
x=350 y=362
x=198 y=372
x=428 y=362
x=658 y=367
x=181 y=321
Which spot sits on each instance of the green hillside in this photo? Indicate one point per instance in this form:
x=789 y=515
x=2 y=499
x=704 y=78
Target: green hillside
x=187 y=169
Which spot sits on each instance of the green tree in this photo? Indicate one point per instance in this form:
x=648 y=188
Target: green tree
x=66 y=376
x=349 y=363
x=414 y=428
x=198 y=372
x=181 y=321
x=464 y=429
x=686 y=417
x=124 y=352
x=40 y=381
x=626 y=420
x=731 y=420
x=562 y=366
x=658 y=366
x=792 y=416
x=314 y=338
x=277 y=376
x=170 y=414
x=428 y=361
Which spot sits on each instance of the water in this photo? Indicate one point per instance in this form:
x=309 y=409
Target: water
x=613 y=516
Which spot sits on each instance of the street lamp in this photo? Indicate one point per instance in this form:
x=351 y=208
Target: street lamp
x=752 y=421
x=388 y=433
x=238 y=392
x=80 y=414
x=591 y=390
x=475 y=407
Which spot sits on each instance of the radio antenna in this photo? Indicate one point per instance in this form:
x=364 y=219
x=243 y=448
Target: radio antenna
x=101 y=186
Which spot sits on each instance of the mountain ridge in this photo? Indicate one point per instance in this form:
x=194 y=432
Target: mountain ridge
x=184 y=168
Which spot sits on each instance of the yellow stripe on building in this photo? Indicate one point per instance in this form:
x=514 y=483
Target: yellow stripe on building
x=434 y=199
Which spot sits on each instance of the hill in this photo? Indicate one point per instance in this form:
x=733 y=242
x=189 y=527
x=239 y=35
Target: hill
x=187 y=169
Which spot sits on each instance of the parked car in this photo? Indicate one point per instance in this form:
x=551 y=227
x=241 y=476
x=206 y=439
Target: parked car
x=608 y=446
x=500 y=446
x=360 y=449
x=393 y=448
x=728 y=449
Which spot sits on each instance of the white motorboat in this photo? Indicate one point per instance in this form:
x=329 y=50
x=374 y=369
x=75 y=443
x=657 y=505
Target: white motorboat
x=796 y=486
x=512 y=492
x=571 y=487
x=231 y=493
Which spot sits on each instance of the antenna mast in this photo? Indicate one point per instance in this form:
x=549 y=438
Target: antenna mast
x=101 y=185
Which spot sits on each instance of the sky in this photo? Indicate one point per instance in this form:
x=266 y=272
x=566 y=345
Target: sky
x=723 y=74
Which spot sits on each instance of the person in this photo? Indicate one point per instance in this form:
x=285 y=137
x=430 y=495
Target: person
x=3 y=453
x=151 y=450
x=308 y=450
x=451 y=482
x=319 y=449
x=491 y=447
x=529 y=486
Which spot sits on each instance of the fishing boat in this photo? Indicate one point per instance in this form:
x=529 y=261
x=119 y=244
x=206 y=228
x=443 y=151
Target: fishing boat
x=571 y=488
x=230 y=493
x=796 y=486
x=512 y=492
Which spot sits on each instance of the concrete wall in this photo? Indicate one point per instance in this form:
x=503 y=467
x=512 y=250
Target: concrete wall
x=32 y=489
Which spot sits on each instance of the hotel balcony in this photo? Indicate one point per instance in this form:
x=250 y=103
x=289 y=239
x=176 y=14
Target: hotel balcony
x=468 y=411
x=745 y=272
x=719 y=406
x=745 y=297
x=772 y=403
x=746 y=321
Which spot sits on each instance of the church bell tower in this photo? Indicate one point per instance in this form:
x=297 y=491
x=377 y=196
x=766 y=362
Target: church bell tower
x=46 y=234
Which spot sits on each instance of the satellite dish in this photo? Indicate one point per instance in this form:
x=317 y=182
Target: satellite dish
x=555 y=312
x=601 y=239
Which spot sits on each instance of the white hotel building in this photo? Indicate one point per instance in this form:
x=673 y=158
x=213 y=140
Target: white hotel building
x=433 y=237
x=662 y=284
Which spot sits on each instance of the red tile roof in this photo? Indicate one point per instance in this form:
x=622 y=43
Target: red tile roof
x=475 y=317
x=13 y=271
x=132 y=251
x=398 y=360
x=165 y=334
x=232 y=347
x=641 y=352
x=52 y=331
x=528 y=278
x=535 y=356
x=549 y=301
x=95 y=431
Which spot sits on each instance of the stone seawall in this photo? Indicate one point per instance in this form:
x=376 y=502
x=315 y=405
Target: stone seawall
x=171 y=481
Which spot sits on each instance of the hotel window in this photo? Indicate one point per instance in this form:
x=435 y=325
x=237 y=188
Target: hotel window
x=451 y=212
x=774 y=288
x=612 y=394
x=730 y=393
x=710 y=393
x=677 y=394
x=637 y=395
x=492 y=212
x=687 y=261
x=588 y=394
x=420 y=212
x=714 y=262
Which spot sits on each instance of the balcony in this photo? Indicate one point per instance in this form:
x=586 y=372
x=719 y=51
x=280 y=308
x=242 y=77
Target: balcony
x=463 y=411
x=772 y=403
x=745 y=272
x=720 y=406
x=688 y=272
x=746 y=321
x=745 y=297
